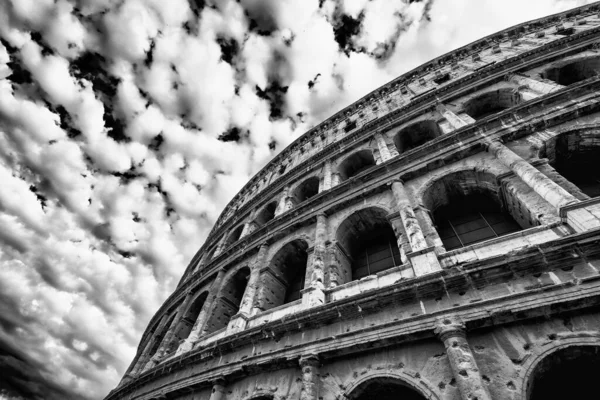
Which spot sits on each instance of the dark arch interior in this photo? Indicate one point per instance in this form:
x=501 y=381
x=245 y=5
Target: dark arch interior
x=368 y=239
x=468 y=219
x=184 y=327
x=416 y=134
x=573 y=72
x=384 y=389
x=283 y=281
x=306 y=190
x=267 y=213
x=234 y=236
x=355 y=164
x=577 y=158
x=491 y=103
x=229 y=300
x=566 y=374
x=161 y=335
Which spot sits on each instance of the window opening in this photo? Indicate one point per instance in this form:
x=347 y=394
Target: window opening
x=472 y=219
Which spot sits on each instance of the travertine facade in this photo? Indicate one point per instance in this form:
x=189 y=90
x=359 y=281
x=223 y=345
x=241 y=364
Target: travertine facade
x=438 y=239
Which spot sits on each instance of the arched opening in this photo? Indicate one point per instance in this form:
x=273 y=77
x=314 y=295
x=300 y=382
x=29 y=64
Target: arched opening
x=228 y=302
x=493 y=102
x=267 y=213
x=284 y=279
x=185 y=325
x=384 y=389
x=355 y=164
x=416 y=134
x=573 y=72
x=159 y=336
x=577 y=158
x=467 y=208
x=368 y=240
x=306 y=190
x=568 y=373
x=234 y=236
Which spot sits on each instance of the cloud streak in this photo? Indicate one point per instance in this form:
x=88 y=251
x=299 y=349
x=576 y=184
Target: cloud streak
x=125 y=128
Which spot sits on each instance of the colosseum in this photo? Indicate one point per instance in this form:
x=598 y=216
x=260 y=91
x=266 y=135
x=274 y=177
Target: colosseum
x=437 y=239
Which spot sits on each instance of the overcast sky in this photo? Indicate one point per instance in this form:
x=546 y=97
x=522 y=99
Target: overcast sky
x=127 y=125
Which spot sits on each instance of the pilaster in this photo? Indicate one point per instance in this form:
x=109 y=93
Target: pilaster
x=540 y=183
x=311 y=378
x=452 y=332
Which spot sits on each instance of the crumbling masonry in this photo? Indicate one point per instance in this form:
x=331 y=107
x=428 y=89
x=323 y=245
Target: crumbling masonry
x=437 y=239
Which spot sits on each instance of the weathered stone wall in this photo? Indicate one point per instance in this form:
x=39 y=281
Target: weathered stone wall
x=469 y=323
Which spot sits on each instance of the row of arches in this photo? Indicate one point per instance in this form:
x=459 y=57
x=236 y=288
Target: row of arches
x=465 y=208
x=569 y=163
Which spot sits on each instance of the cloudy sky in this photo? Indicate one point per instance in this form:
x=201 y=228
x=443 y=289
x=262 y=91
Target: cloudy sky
x=127 y=125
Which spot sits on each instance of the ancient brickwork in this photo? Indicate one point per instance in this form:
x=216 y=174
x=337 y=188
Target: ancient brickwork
x=437 y=239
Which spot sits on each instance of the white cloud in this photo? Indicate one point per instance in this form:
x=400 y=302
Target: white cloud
x=99 y=224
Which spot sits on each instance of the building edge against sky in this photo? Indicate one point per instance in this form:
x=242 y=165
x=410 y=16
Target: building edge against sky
x=437 y=239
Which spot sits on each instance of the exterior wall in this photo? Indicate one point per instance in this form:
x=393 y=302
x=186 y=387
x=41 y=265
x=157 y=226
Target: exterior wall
x=451 y=325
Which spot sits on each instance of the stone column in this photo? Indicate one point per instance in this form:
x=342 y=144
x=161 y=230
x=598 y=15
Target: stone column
x=218 y=390
x=248 y=228
x=431 y=234
x=333 y=266
x=198 y=327
x=407 y=215
x=384 y=151
x=335 y=179
x=283 y=202
x=239 y=321
x=454 y=120
x=220 y=245
x=327 y=175
x=540 y=183
x=145 y=356
x=422 y=257
x=310 y=377
x=533 y=87
x=314 y=295
x=452 y=332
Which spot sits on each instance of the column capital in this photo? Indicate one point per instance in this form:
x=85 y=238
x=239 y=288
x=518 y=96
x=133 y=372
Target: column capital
x=309 y=360
x=449 y=326
x=322 y=214
x=395 y=180
x=492 y=144
x=219 y=381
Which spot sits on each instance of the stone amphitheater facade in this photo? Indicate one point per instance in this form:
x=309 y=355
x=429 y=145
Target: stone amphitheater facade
x=437 y=239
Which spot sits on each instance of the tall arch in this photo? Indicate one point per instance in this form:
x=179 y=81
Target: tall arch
x=355 y=164
x=386 y=387
x=266 y=213
x=416 y=134
x=228 y=300
x=284 y=278
x=185 y=325
x=491 y=102
x=569 y=372
x=573 y=71
x=159 y=336
x=368 y=240
x=234 y=236
x=468 y=208
x=577 y=158
x=305 y=190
